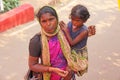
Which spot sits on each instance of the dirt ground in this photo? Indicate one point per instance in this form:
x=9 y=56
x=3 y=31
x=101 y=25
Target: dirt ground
x=39 y=3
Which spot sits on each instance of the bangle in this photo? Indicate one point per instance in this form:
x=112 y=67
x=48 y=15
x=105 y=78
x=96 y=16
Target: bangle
x=48 y=70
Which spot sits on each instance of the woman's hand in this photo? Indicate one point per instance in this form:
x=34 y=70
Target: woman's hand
x=58 y=71
x=91 y=30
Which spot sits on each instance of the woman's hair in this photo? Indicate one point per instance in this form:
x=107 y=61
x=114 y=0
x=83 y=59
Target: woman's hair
x=46 y=9
x=80 y=11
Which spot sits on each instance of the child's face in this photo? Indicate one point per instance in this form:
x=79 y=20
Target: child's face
x=48 y=22
x=77 y=21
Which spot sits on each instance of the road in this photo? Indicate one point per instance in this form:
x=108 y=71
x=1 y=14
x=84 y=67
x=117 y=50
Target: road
x=103 y=48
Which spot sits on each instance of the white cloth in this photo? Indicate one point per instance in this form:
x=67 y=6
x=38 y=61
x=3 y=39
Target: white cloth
x=1 y=6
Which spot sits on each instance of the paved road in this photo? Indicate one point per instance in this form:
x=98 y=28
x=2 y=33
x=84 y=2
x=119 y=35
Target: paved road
x=104 y=52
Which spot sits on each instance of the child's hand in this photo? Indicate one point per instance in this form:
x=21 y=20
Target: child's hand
x=91 y=30
x=63 y=26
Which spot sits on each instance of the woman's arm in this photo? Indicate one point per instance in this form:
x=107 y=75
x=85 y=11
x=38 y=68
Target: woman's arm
x=34 y=55
x=35 y=66
x=80 y=37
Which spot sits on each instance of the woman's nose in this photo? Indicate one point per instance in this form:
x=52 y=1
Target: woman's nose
x=48 y=23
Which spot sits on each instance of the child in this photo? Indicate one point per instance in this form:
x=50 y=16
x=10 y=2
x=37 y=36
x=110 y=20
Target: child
x=76 y=32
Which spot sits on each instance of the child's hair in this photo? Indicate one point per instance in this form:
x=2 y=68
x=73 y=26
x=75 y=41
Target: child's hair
x=46 y=9
x=80 y=11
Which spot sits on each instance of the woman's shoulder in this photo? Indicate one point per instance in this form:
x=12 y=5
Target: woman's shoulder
x=35 y=45
x=35 y=38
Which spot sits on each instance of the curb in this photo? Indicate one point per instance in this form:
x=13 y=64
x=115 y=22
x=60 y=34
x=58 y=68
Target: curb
x=16 y=16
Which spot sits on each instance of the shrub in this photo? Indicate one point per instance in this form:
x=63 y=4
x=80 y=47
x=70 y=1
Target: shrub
x=10 y=4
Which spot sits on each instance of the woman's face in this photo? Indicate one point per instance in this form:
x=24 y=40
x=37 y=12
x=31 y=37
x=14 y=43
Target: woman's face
x=48 y=22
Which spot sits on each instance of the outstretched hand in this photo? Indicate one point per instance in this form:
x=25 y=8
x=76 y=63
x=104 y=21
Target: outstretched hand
x=58 y=71
x=91 y=30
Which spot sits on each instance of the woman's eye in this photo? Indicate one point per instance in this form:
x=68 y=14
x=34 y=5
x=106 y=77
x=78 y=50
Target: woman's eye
x=43 y=21
x=51 y=19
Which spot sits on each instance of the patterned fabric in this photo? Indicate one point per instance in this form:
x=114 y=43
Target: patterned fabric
x=57 y=58
x=82 y=53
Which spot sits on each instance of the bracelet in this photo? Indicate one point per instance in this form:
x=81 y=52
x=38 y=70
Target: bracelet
x=48 y=69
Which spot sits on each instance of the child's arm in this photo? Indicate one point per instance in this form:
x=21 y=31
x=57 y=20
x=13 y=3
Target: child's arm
x=80 y=37
x=77 y=39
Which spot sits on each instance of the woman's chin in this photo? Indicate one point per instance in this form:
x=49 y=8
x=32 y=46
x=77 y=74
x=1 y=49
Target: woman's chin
x=50 y=32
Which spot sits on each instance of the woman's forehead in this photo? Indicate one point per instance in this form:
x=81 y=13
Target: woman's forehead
x=47 y=14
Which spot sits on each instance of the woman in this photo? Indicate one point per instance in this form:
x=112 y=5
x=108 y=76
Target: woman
x=52 y=48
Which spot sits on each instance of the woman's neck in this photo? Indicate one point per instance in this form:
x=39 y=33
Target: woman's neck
x=49 y=37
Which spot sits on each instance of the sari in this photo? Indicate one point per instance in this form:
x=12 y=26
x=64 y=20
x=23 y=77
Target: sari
x=73 y=60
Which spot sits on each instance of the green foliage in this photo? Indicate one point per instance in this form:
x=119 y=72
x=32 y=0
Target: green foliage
x=10 y=4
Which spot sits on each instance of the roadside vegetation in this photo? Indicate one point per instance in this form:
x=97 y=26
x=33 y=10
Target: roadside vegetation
x=10 y=4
